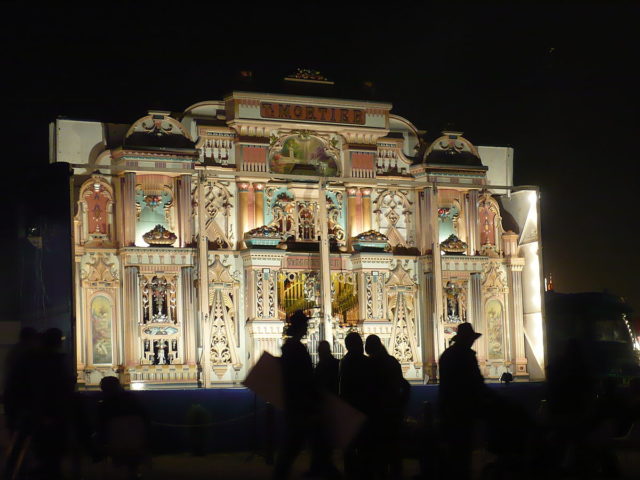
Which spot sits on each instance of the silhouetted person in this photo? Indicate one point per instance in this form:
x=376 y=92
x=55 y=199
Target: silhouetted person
x=571 y=395
x=302 y=405
x=390 y=397
x=52 y=390
x=17 y=397
x=123 y=427
x=327 y=369
x=16 y=387
x=462 y=394
x=356 y=386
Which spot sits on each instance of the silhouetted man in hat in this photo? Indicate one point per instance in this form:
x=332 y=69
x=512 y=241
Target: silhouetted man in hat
x=462 y=393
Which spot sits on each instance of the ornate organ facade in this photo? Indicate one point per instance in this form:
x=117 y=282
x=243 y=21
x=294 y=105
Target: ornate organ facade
x=196 y=234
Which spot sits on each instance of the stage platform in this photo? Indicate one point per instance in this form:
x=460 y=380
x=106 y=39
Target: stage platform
x=236 y=419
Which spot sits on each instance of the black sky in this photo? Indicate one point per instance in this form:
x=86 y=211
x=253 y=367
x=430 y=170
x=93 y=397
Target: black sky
x=556 y=82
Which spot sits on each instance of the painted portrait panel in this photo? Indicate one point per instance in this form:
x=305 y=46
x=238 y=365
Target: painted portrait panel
x=494 y=315
x=303 y=155
x=101 y=321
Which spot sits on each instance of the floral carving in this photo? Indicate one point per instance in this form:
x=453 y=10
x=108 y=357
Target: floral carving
x=100 y=268
x=493 y=278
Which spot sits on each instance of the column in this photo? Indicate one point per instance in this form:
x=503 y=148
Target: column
x=352 y=216
x=427 y=233
x=516 y=318
x=189 y=315
x=476 y=313
x=131 y=316
x=325 y=271
x=263 y=327
x=437 y=271
x=258 y=191
x=429 y=327
x=243 y=212
x=185 y=218
x=129 y=209
x=203 y=286
x=473 y=240
x=366 y=209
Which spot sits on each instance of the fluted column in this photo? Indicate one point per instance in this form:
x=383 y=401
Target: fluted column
x=189 y=315
x=476 y=314
x=427 y=234
x=243 y=212
x=437 y=271
x=429 y=334
x=81 y=320
x=366 y=209
x=352 y=216
x=471 y=202
x=258 y=191
x=203 y=285
x=185 y=217
x=131 y=316
x=517 y=355
x=129 y=208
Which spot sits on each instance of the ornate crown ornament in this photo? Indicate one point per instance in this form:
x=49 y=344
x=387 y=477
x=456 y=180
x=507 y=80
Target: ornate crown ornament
x=263 y=236
x=453 y=245
x=263 y=232
x=308 y=75
x=159 y=237
x=371 y=236
x=371 y=239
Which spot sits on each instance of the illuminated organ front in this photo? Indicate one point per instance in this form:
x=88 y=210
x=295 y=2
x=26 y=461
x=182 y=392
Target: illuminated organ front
x=195 y=235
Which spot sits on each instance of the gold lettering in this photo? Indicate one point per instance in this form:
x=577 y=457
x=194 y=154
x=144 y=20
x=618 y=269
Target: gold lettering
x=266 y=110
x=309 y=115
x=312 y=113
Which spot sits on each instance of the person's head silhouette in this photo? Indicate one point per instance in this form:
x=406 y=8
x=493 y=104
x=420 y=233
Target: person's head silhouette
x=465 y=335
x=298 y=323
x=52 y=339
x=324 y=350
x=374 y=346
x=353 y=342
x=110 y=386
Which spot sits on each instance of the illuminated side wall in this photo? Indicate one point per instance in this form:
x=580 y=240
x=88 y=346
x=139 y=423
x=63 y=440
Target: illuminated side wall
x=523 y=208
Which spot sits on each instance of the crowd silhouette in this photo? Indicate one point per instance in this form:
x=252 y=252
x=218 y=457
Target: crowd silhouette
x=582 y=428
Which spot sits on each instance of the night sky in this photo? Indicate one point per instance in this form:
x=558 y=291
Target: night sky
x=556 y=83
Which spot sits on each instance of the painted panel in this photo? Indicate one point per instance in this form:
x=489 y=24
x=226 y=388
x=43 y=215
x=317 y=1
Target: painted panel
x=447 y=217
x=495 y=321
x=97 y=200
x=487 y=225
x=303 y=155
x=153 y=207
x=101 y=324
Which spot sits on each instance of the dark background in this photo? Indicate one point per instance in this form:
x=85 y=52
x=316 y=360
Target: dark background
x=556 y=82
